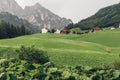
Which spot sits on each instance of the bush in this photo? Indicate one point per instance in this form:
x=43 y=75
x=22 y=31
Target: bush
x=117 y=65
x=3 y=76
x=29 y=66
x=96 y=77
x=108 y=50
x=5 y=64
x=49 y=65
x=32 y=55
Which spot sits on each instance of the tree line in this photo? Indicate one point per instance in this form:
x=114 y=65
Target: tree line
x=104 y=18
x=8 y=30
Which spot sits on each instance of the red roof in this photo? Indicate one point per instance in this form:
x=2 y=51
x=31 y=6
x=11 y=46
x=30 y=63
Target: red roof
x=97 y=28
x=65 y=31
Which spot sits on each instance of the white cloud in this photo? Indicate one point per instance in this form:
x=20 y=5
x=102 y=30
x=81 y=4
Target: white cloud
x=73 y=9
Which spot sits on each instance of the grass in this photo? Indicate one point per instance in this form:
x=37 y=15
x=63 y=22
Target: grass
x=88 y=49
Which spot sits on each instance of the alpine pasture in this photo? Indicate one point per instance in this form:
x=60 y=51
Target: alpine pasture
x=93 y=49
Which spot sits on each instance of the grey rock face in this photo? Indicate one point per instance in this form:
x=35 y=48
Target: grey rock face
x=10 y=6
x=17 y=22
x=36 y=15
x=42 y=17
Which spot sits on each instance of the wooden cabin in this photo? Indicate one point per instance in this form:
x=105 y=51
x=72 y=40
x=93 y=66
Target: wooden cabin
x=96 y=29
x=64 y=31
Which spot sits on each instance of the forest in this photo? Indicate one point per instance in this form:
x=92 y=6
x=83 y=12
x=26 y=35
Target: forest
x=8 y=30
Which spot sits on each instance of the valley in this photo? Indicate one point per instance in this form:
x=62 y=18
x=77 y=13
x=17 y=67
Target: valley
x=92 y=49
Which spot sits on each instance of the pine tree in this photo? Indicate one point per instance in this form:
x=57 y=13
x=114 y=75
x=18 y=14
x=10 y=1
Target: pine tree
x=8 y=30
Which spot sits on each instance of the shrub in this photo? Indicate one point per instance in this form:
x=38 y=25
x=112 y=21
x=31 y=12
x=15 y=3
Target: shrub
x=5 y=64
x=71 y=78
x=12 y=76
x=3 y=76
x=32 y=55
x=29 y=66
x=117 y=65
x=49 y=65
x=97 y=77
x=108 y=50
x=106 y=66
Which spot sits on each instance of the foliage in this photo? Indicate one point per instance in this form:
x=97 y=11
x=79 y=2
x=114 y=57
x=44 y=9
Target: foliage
x=87 y=49
x=78 y=31
x=8 y=30
x=105 y=17
x=17 y=70
x=108 y=50
x=32 y=55
x=117 y=65
x=52 y=31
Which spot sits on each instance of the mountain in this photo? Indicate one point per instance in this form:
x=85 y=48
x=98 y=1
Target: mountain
x=105 y=17
x=42 y=17
x=16 y=21
x=10 y=6
x=37 y=15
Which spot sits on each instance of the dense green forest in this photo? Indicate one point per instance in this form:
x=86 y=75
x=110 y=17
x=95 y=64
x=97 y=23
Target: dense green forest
x=106 y=17
x=8 y=30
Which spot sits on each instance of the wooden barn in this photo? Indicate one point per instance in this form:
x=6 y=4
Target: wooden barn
x=96 y=29
x=64 y=31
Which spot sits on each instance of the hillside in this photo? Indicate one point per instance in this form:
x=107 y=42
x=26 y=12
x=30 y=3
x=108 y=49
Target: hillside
x=88 y=49
x=105 y=17
x=17 y=21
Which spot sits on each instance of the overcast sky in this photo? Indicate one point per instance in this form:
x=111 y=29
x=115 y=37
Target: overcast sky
x=73 y=9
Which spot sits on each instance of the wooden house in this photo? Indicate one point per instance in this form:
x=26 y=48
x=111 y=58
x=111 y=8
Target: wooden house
x=64 y=31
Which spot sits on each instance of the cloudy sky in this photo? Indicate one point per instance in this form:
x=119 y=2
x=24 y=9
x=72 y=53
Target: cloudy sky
x=73 y=9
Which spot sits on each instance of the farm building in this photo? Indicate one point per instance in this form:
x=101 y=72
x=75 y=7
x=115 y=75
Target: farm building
x=44 y=30
x=112 y=28
x=96 y=29
x=65 y=31
x=119 y=26
x=57 y=31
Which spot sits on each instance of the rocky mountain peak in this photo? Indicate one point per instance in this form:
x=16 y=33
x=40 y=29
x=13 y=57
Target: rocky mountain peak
x=38 y=5
x=36 y=15
x=10 y=6
x=35 y=6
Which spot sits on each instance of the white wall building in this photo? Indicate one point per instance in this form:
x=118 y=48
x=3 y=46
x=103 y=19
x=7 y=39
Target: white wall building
x=44 y=30
x=112 y=28
x=57 y=31
x=119 y=26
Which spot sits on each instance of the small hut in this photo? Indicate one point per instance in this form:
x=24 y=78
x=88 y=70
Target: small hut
x=97 y=29
x=57 y=31
x=64 y=31
x=44 y=30
x=112 y=28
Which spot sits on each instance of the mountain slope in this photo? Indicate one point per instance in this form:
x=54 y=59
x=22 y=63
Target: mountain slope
x=105 y=17
x=10 y=6
x=16 y=21
x=36 y=15
x=88 y=49
x=42 y=17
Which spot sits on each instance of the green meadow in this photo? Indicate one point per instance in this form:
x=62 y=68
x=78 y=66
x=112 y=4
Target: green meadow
x=93 y=49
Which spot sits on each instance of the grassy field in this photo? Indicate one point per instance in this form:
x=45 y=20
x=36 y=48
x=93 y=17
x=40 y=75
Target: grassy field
x=88 y=49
